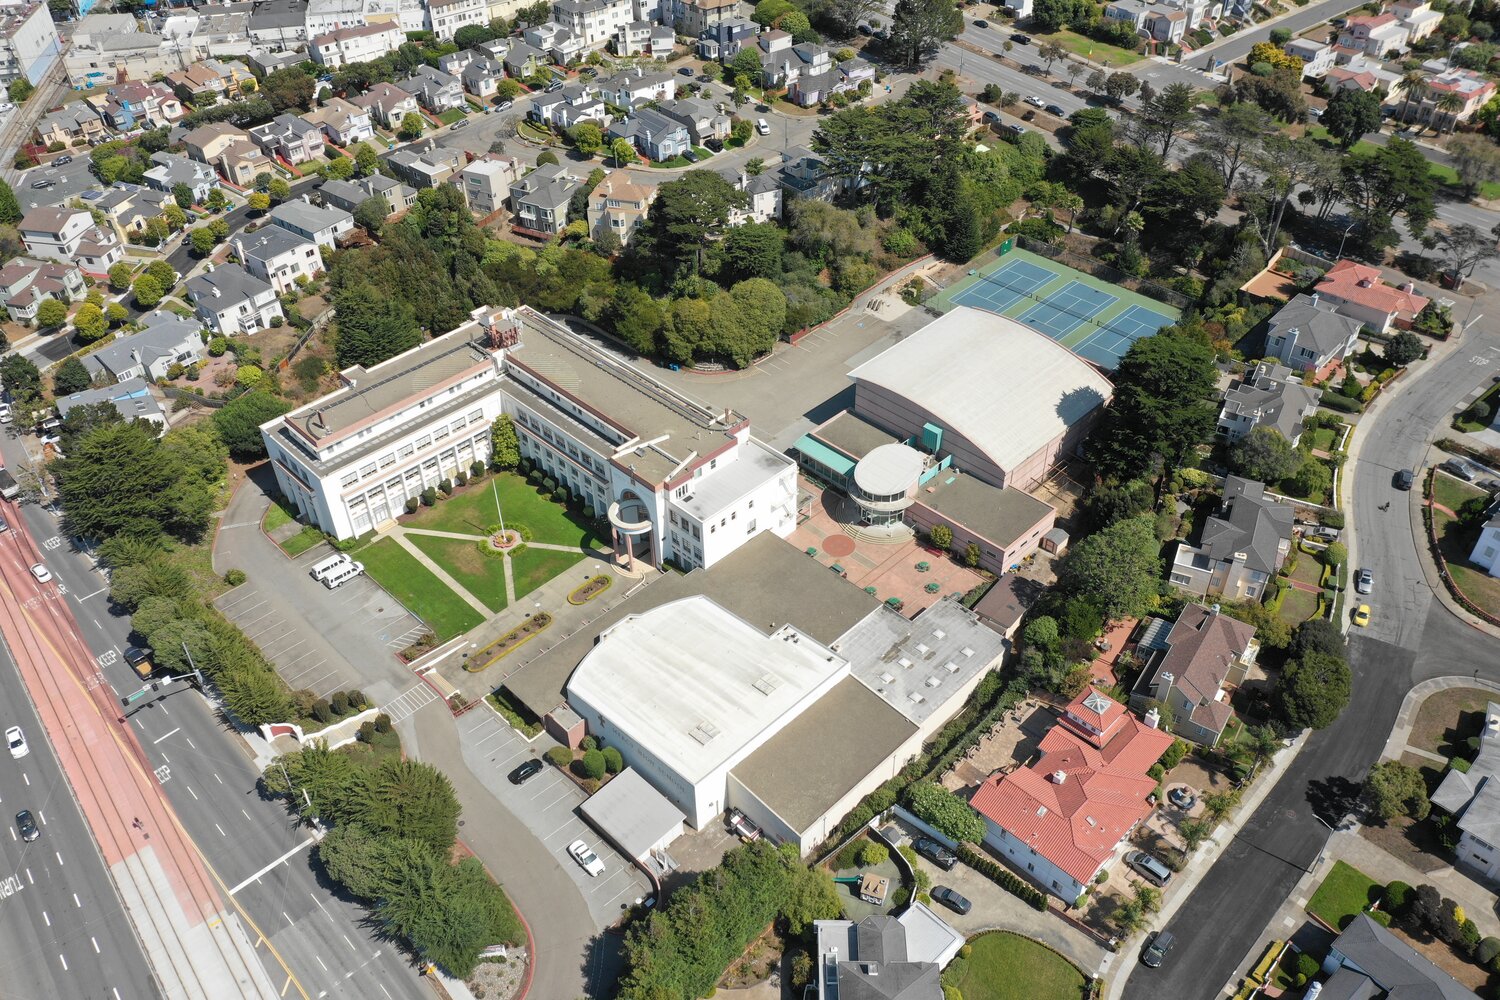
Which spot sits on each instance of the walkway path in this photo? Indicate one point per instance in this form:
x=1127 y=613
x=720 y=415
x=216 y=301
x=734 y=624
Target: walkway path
x=400 y=534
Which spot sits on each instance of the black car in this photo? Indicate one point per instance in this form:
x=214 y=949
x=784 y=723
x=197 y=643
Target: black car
x=1156 y=949
x=714 y=144
x=685 y=71
x=1021 y=39
x=951 y=899
x=1054 y=109
x=529 y=769
x=26 y=823
x=981 y=24
x=690 y=156
x=1405 y=478
x=935 y=852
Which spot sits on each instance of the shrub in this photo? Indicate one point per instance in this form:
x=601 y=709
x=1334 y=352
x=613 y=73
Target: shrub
x=1469 y=937
x=412 y=503
x=872 y=854
x=357 y=699
x=429 y=496
x=235 y=577
x=1002 y=877
x=561 y=756
x=340 y=703
x=1307 y=965
x=476 y=470
x=1380 y=917
x=1487 y=951
x=593 y=764
x=461 y=477
x=366 y=732
x=964 y=951
x=589 y=743
x=382 y=723
x=445 y=487
x=1397 y=897
x=613 y=762
x=946 y=812
x=322 y=710
x=560 y=495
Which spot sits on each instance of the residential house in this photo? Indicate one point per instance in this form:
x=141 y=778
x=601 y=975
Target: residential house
x=1376 y=35
x=620 y=204
x=593 y=22
x=1191 y=665
x=1237 y=550
x=1486 y=553
x=129 y=207
x=356 y=44
x=1358 y=292
x=229 y=150
x=633 y=88
x=132 y=398
x=560 y=44
x=73 y=122
x=454 y=62
x=1367 y=75
x=209 y=76
x=387 y=104
x=1417 y=17
x=694 y=17
x=487 y=181
x=663 y=42
x=1060 y=821
x=349 y=195
x=539 y=201
x=764 y=192
x=321 y=224
x=324 y=16
x=290 y=138
x=208 y=31
x=426 y=164
x=265 y=61
x=1368 y=961
x=1266 y=397
x=28 y=283
x=136 y=104
x=98 y=251
x=343 y=123
x=632 y=39
x=278 y=256
x=522 y=60
x=562 y=109
x=165 y=339
x=805 y=174
x=875 y=958
x=1165 y=24
x=55 y=232
x=816 y=83
x=1133 y=12
x=482 y=76
x=108 y=49
x=170 y=170
x=724 y=40
x=703 y=120
x=1309 y=334
x=1472 y=797
x=435 y=90
x=1473 y=89
x=657 y=136
x=1316 y=57
x=229 y=300
x=1020 y=9
x=447 y=16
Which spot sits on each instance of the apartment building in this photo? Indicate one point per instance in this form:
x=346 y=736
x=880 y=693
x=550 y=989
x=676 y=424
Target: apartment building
x=278 y=256
x=357 y=44
x=593 y=22
x=29 y=45
x=446 y=16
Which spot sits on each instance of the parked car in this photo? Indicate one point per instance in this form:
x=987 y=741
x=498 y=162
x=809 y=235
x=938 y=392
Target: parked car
x=65 y=158
x=741 y=827
x=16 y=740
x=461 y=123
x=1149 y=867
x=951 y=899
x=1362 y=616
x=1035 y=101
x=42 y=573
x=1404 y=479
x=1018 y=129
x=554 y=86
x=690 y=156
x=1459 y=468
x=528 y=770
x=43 y=185
x=761 y=128
x=1364 y=581
x=685 y=71
x=981 y=24
x=1157 y=947
x=990 y=117
x=1056 y=109
x=714 y=144
x=866 y=30
x=1021 y=39
x=935 y=852
x=505 y=105
x=586 y=858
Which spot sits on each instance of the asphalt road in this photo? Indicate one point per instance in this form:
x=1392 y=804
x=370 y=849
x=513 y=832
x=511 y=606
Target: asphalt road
x=63 y=931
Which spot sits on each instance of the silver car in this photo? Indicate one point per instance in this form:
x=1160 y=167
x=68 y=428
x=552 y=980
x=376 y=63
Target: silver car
x=1364 y=581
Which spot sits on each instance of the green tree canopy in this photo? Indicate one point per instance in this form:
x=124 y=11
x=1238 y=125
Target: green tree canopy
x=70 y=377
x=372 y=326
x=238 y=421
x=51 y=313
x=505 y=446
x=1351 y=115
x=1397 y=789
x=10 y=208
x=919 y=28
x=1264 y=455
x=119 y=479
x=1121 y=565
x=688 y=215
x=1313 y=690
x=1162 y=406
x=89 y=322
x=23 y=380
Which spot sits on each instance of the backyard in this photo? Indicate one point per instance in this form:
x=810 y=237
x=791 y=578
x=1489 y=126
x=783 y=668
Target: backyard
x=1006 y=966
x=1456 y=542
x=1345 y=892
x=471 y=511
x=424 y=595
x=1298 y=603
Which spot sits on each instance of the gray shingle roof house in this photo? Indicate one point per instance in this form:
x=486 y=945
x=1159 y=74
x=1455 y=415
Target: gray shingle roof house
x=322 y=225
x=868 y=961
x=1267 y=397
x=168 y=170
x=438 y=91
x=1367 y=951
x=230 y=300
x=1473 y=797
x=347 y=195
x=164 y=340
x=1238 y=549
x=1190 y=667
x=653 y=133
x=1307 y=335
x=540 y=199
x=132 y=398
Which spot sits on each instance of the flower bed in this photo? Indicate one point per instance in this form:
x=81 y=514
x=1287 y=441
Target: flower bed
x=508 y=642
x=590 y=589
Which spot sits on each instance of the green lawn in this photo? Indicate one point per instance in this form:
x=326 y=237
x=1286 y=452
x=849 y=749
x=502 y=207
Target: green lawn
x=302 y=541
x=452 y=115
x=1344 y=893
x=413 y=585
x=479 y=574
x=276 y=516
x=1452 y=493
x=1099 y=52
x=682 y=161
x=1007 y=966
x=532 y=567
x=1456 y=544
x=1323 y=438
x=1297 y=606
x=472 y=512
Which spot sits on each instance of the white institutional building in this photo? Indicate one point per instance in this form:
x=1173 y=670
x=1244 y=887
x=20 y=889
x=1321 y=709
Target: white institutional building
x=678 y=480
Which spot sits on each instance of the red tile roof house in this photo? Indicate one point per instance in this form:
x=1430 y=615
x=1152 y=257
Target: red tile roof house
x=1359 y=292
x=1060 y=821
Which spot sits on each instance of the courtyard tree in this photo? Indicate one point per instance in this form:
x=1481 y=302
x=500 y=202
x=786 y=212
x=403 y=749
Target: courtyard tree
x=1264 y=455
x=505 y=446
x=1119 y=565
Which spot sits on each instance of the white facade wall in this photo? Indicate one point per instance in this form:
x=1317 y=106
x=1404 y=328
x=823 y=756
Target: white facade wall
x=1031 y=865
x=283 y=270
x=1486 y=552
x=447 y=18
x=30 y=47
x=335 y=52
x=1478 y=854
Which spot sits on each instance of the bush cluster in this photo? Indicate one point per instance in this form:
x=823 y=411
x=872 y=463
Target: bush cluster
x=1002 y=876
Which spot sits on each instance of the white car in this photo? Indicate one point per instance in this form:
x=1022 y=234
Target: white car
x=1035 y=102
x=42 y=573
x=16 y=740
x=585 y=856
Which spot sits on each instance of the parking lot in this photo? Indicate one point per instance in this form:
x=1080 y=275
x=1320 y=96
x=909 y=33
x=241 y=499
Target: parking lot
x=548 y=806
x=359 y=628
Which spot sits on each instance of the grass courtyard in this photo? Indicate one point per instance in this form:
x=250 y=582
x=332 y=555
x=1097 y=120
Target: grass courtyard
x=1344 y=893
x=479 y=574
x=414 y=585
x=1099 y=52
x=472 y=512
x=1006 y=966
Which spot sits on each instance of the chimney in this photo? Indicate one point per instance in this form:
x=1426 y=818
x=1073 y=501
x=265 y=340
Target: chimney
x=1059 y=777
x=1315 y=300
x=1365 y=283
x=1213 y=609
x=1408 y=287
x=1153 y=719
x=1164 y=685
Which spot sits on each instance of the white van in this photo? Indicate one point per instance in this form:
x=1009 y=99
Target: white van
x=321 y=569
x=342 y=574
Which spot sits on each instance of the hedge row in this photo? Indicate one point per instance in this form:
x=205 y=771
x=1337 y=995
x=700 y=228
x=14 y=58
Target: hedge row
x=1002 y=876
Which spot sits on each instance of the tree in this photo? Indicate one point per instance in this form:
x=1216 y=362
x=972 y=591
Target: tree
x=70 y=377
x=1396 y=789
x=587 y=137
x=1054 y=15
x=287 y=89
x=1050 y=53
x=371 y=214
x=1264 y=455
x=1450 y=103
x=148 y=291
x=120 y=480
x=811 y=896
x=366 y=160
x=1194 y=832
x=947 y=813
x=1120 y=85
x=1161 y=407
x=372 y=326
x=238 y=421
x=19 y=90
x=279 y=190
x=1351 y=115
x=1096 y=81
x=115 y=314
x=183 y=195
x=1120 y=565
x=412 y=800
x=621 y=151
x=1166 y=114
x=505 y=446
x=753 y=250
x=1402 y=349
x=120 y=275
x=89 y=322
x=202 y=240
x=10 y=208
x=1476 y=160
x=1465 y=247
x=689 y=214
x=1313 y=690
x=22 y=378
x=847 y=15
x=254 y=697
x=919 y=27
x=411 y=126
x=1218 y=805
x=1394 y=179
x=51 y=313
x=1233 y=137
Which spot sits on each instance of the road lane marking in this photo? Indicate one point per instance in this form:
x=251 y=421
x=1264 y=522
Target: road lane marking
x=63 y=959
x=95 y=944
x=221 y=830
x=29 y=879
x=320 y=961
x=304 y=845
x=217 y=778
x=96 y=593
x=317 y=901
x=192 y=793
x=348 y=942
x=165 y=735
x=58 y=855
x=192 y=745
x=76 y=902
x=286 y=985
x=46 y=918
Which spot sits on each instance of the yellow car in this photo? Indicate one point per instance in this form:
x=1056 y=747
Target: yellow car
x=1362 y=615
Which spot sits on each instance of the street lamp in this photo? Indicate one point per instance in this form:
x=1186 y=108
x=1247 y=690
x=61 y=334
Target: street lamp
x=1346 y=236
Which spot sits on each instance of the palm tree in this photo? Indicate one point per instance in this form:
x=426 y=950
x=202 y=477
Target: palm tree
x=1450 y=103
x=1413 y=84
x=1073 y=204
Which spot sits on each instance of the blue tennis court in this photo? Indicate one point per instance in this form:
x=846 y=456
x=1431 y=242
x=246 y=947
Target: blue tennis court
x=1067 y=309
x=1109 y=344
x=1005 y=286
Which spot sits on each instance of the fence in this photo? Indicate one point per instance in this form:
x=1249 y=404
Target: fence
x=172 y=392
x=313 y=326
x=1099 y=269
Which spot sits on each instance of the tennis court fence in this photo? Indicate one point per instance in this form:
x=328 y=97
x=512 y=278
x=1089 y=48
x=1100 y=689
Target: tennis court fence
x=1099 y=269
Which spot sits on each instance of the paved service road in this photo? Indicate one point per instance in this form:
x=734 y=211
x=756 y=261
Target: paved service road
x=63 y=932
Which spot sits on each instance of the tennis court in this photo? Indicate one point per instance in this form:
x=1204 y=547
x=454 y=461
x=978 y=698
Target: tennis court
x=1096 y=320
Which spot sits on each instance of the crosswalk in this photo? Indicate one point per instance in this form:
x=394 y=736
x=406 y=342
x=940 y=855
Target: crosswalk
x=409 y=701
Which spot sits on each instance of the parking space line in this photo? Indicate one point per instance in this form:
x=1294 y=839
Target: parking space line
x=480 y=721
x=546 y=788
x=568 y=792
x=497 y=732
x=570 y=820
x=629 y=887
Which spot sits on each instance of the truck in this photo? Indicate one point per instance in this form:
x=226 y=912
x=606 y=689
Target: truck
x=9 y=488
x=140 y=661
